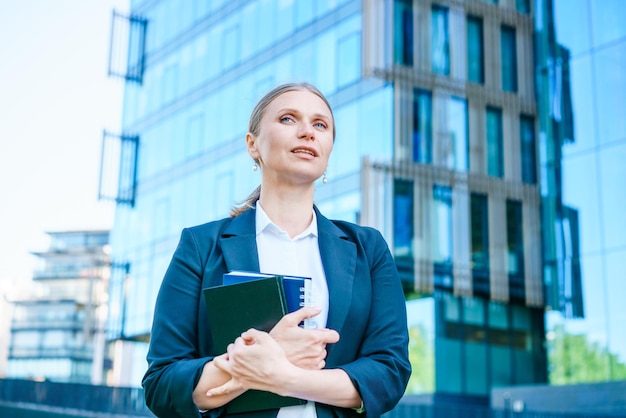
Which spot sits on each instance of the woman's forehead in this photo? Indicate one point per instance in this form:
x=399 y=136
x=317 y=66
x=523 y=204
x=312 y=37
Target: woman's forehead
x=303 y=100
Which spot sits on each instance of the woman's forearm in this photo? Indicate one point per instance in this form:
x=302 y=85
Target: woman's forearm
x=212 y=377
x=329 y=386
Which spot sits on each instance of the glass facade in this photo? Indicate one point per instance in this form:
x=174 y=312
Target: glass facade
x=508 y=48
x=475 y=50
x=593 y=152
x=495 y=142
x=440 y=48
x=442 y=144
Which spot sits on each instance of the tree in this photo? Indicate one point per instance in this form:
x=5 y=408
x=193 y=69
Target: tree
x=574 y=359
x=422 y=358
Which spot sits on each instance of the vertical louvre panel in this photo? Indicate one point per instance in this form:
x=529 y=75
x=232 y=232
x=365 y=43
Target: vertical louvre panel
x=461 y=229
x=441 y=205
x=499 y=280
x=424 y=268
x=374 y=37
x=117 y=304
x=127 y=47
x=118 y=168
x=532 y=244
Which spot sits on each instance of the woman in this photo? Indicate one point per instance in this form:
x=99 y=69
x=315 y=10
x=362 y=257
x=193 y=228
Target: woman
x=355 y=361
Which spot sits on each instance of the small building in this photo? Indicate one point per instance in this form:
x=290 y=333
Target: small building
x=57 y=329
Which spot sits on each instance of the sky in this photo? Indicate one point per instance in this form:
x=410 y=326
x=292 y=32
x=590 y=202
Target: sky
x=55 y=101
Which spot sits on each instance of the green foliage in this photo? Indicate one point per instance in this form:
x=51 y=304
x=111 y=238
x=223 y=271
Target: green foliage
x=422 y=357
x=574 y=359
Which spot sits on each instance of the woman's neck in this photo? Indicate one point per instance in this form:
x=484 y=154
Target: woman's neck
x=290 y=210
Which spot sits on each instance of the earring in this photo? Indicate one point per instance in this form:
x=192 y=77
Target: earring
x=255 y=167
x=324 y=178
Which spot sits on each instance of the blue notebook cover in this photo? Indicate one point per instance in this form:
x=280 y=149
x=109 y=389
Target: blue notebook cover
x=234 y=308
x=297 y=289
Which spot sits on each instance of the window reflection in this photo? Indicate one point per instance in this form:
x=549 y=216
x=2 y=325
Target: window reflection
x=403 y=32
x=442 y=225
x=422 y=126
x=440 y=46
x=508 y=49
x=454 y=151
x=479 y=216
x=475 y=51
x=495 y=157
x=528 y=149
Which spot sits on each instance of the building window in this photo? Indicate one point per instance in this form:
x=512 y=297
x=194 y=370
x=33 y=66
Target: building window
x=440 y=47
x=528 y=147
x=455 y=147
x=231 y=41
x=522 y=6
x=475 y=52
x=495 y=157
x=402 y=218
x=480 y=243
x=348 y=59
x=508 y=51
x=515 y=249
x=422 y=126
x=403 y=32
x=403 y=231
x=442 y=235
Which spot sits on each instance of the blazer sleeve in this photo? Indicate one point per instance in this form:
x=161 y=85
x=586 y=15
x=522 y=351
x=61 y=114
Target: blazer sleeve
x=174 y=357
x=382 y=369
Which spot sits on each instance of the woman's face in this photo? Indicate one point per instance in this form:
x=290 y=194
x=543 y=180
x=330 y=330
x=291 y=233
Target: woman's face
x=295 y=138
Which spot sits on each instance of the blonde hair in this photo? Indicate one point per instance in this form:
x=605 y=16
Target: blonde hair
x=254 y=126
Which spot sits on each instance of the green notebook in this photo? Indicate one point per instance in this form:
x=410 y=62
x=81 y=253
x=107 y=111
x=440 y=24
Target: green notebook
x=235 y=308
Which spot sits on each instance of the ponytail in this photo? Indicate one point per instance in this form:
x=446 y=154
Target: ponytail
x=249 y=203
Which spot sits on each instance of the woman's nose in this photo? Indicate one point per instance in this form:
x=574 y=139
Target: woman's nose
x=307 y=131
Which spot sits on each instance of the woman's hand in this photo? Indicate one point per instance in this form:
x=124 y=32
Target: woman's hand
x=254 y=361
x=305 y=348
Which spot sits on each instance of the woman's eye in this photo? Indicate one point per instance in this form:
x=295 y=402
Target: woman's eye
x=286 y=119
x=320 y=125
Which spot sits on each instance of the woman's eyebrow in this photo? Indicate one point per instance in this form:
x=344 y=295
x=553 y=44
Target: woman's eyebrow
x=296 y=111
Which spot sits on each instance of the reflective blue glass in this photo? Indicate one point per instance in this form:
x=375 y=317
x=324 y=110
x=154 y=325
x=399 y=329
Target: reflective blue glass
x=440 y=41
x=495 y=152
x=456 y=150
x=403 y=225
x=479 y=238
x=403 y=32
x=422 y=127
x=612 y=173
x=581 y=191
x=616 y=313
x=610 y=88
x=528 y=152
x=348 y=59
x=442 y=246
x=508 y=54
x=607 y=17
x=475 y=50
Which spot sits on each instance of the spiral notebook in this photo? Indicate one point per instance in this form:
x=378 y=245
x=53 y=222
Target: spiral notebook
x=252 y=300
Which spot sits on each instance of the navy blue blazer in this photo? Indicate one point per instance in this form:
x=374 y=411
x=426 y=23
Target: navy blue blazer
x=366 y=308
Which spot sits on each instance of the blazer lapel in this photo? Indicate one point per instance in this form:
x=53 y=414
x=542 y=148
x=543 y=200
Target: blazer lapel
x=338 y=256
x=238 y=242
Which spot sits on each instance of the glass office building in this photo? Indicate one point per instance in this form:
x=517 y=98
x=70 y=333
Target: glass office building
x=441 y=144
x=591 y=56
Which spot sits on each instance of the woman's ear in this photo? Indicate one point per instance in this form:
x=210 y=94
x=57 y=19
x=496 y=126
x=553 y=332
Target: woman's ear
x=251 y=146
